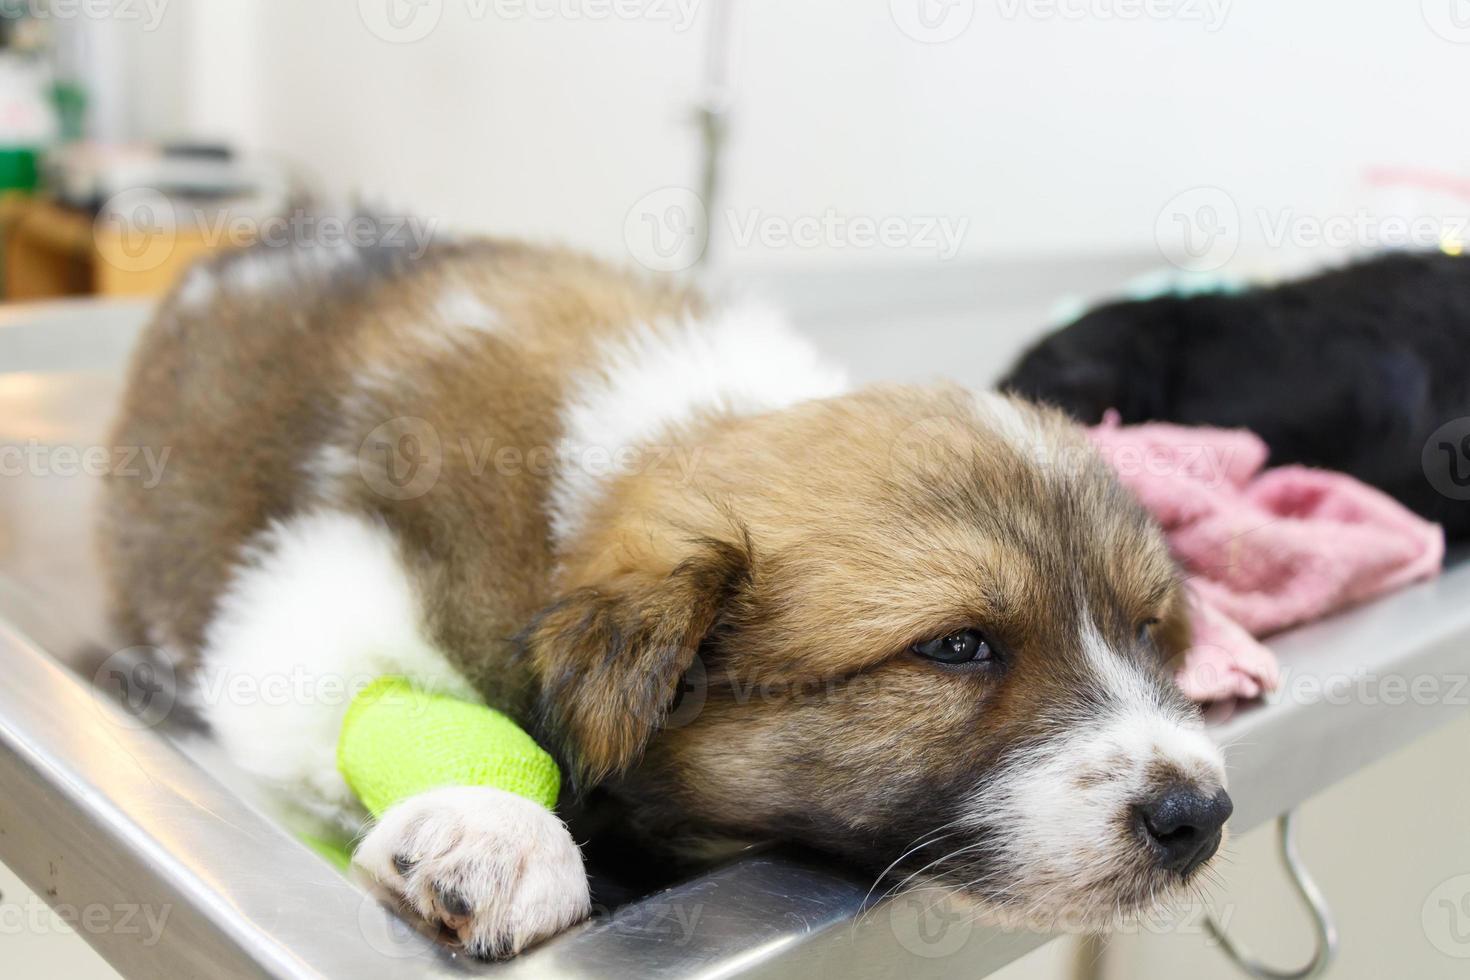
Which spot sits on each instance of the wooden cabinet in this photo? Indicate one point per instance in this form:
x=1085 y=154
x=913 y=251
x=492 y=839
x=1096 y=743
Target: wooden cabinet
x=52 y=251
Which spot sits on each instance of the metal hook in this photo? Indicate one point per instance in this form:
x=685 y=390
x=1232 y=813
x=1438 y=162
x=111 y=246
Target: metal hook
x=1312 y=897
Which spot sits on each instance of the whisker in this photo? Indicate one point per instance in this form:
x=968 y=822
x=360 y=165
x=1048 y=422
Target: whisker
x=935 y=835
x=943 y=857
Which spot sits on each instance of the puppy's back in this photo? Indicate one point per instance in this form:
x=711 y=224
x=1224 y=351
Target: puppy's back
x=265 y=362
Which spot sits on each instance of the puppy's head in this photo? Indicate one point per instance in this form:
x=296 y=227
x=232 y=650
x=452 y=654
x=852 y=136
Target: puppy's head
x=919 y=629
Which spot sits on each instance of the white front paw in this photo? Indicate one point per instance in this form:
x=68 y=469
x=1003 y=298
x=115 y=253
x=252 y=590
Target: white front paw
x=499 y=870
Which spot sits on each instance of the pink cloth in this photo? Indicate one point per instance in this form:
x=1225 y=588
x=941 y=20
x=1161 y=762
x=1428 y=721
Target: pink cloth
x=1263 y=550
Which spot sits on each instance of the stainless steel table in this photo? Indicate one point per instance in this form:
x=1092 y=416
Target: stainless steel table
x=98 y=810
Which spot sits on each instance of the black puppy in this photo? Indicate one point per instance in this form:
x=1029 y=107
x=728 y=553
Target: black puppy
x=1352 y=370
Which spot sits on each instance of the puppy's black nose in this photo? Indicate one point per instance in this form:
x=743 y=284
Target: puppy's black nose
x=1185 y=825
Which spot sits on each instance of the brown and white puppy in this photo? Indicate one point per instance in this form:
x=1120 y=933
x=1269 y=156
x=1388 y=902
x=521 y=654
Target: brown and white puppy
x=911 y=625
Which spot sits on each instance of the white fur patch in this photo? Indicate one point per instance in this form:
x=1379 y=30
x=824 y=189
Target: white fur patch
x=1143 y=723
x=1013 y=420
x=327 y=470
x=1051 y=815
x=499 y=869
x=458 y=307
x=458 y=318
x=660 y=377
x=1117 y=679
x=197 y=289
x=320 y=607
x=1057 y=807
x=263 y=268
x=269 y=269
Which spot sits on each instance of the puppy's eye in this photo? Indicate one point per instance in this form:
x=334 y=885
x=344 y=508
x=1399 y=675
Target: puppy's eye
x=964 y=647
x=1145 y=630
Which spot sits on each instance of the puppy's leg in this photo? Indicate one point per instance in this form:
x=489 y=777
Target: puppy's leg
x=321 y=607
x=497 y=868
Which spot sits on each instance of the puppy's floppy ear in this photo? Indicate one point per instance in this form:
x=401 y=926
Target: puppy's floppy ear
x=609 y=658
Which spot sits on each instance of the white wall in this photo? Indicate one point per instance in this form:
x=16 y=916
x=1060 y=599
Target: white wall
x=1045 y=131
x=542 y=129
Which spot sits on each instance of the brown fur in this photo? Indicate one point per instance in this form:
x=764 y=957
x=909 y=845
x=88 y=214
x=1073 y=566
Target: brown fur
x=782 y=583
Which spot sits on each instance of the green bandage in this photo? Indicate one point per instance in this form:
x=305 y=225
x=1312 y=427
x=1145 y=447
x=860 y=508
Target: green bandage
x=398 y=741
